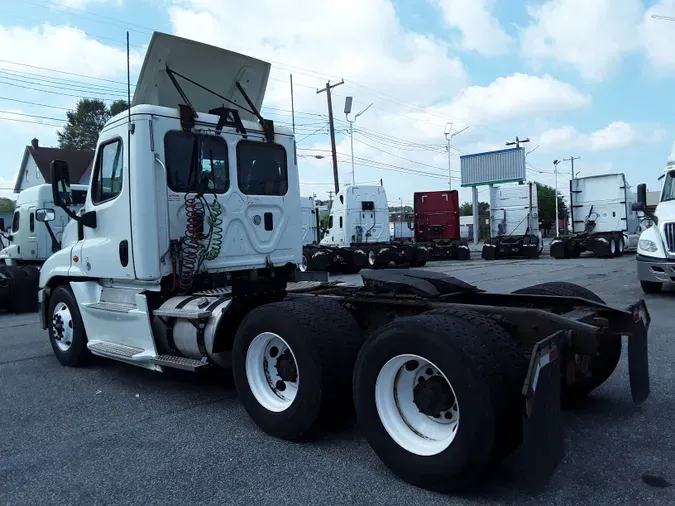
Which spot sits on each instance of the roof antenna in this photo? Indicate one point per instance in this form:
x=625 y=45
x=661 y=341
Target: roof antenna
x=128 y=81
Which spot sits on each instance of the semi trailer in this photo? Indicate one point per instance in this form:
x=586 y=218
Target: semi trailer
x=446 y=379
x=358 y=225
x=514 y=223
x=314 y=256
x=602 y=218
x=656 y=246
x=29 y=243
x=437 y=225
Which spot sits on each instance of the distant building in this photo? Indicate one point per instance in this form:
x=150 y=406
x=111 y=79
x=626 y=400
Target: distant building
x=34 y=168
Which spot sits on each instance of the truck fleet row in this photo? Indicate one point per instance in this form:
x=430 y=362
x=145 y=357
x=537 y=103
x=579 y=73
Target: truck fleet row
x=185 y=256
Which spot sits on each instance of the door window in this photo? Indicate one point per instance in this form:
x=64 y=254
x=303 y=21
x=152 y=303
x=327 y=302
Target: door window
x=109 y=174
x=15 y=222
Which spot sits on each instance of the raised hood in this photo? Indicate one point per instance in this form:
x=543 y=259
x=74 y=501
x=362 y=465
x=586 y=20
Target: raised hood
x=212 y=67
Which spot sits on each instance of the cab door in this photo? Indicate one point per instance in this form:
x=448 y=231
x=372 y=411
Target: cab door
x=105 y=251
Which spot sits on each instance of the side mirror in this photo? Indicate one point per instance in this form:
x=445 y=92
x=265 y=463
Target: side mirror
x=2 y=224
x=45 y=214
x=638 y=206
x=642 y=194
x=63 y=195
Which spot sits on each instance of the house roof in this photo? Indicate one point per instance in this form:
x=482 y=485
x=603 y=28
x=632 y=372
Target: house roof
x=79 y=161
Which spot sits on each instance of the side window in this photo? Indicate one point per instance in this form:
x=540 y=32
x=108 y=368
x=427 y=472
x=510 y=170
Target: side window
x=108 y=172
x=16 y=221
x=261 y=168
x=340 y=221
x=196 y=163
x=32 y=222
x=330 y=221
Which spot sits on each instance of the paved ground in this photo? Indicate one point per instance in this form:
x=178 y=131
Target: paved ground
x=115 y=434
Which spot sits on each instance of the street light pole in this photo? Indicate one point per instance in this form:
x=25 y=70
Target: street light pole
x=448 y=138
x=348 y=109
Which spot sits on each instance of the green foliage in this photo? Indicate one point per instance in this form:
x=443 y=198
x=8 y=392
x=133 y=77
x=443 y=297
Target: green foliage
x=466 y=209
x=85 y=122
x=6 y=205
x=546 y=203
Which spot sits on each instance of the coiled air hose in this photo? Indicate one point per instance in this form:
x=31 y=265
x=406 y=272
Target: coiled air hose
x=194 y=212
x=211 y=250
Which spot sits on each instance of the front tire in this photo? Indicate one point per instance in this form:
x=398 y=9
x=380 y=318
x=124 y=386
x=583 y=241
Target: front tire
x=651 y=287
x=67 y=334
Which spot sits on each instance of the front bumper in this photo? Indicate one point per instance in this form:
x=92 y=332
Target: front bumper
x=657 y=270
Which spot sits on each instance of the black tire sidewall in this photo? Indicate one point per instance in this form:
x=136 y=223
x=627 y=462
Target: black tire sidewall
x=470 y=449
x=299 y=417
x=78 y=352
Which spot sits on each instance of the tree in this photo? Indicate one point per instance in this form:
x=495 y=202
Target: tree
x=546 y=203
x=6 y=205
x=466 y=209
x=85 y=122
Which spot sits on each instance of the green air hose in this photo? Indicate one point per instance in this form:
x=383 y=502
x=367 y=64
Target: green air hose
x=211 y=250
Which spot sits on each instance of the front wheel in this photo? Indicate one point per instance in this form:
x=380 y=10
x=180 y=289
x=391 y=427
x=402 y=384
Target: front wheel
x=651 y=287
x=66 y=330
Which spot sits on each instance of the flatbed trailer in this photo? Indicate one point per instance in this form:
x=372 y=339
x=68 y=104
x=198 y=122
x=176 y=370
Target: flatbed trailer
x=446 y=379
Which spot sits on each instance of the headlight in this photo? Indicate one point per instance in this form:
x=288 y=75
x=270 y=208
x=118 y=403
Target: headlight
x=647 y=245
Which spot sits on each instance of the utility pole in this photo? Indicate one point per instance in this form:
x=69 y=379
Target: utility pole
x=517 y=142
x=330 y=199
x=555 y=171
x=448 y=147
x=348 y=109
x=292 y=105
x=327 y=89
x=571 y=159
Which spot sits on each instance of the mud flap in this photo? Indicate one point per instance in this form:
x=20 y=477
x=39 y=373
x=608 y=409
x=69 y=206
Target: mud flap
x=638 y=363
x=543 y=445
x=489 y=252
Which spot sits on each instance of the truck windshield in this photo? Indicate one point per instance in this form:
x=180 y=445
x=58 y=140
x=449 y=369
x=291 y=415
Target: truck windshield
x=261 y=168
x=668 y=187
x=207 y=173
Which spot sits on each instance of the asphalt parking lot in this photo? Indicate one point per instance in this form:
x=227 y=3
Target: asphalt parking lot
x=115 y=434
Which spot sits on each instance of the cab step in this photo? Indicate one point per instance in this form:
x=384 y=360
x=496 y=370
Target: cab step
x=114 y=307
x=187 y=314
x=186 y=364
x=114 y=350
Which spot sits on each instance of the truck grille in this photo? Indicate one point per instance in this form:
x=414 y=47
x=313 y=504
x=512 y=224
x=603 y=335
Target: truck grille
x=669 y=233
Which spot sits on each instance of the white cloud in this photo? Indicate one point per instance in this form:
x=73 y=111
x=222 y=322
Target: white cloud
x=658 y=38
x=590 y=35
x=481 y=31
x=62 y=48
x=516 y=96
x=616 y=135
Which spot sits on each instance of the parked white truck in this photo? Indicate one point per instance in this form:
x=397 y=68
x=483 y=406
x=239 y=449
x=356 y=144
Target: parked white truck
x=514 y=223
x=29 y=243
x=602 y=217
x=358 y=225
x=184 y=257
x=656 y=247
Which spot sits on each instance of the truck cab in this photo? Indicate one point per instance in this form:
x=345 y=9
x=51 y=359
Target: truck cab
x=29 y=241
x=656 y=247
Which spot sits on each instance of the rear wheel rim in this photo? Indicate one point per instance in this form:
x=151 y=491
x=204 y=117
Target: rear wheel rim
x=62 y=326
x=421 y=422
x=272 y=372
x=612 y=247
x=371 y=258
x=303 y=264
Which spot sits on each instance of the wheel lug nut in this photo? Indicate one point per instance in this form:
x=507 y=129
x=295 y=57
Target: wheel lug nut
x=411 y=365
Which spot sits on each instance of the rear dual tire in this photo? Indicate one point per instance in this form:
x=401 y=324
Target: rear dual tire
x=473 y=403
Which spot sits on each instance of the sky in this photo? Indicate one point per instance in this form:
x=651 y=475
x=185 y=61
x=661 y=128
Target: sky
x=589 y=79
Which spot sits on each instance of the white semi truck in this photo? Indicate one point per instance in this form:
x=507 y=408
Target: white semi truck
x=656 y=246
x=29 y=243
x=514 y=223
x=358 y=225
x=602 y=217
x=185 y=253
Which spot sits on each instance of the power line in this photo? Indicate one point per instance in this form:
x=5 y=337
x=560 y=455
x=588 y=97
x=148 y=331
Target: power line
x=57 y=92
x=34 y=103
x=64 y=72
